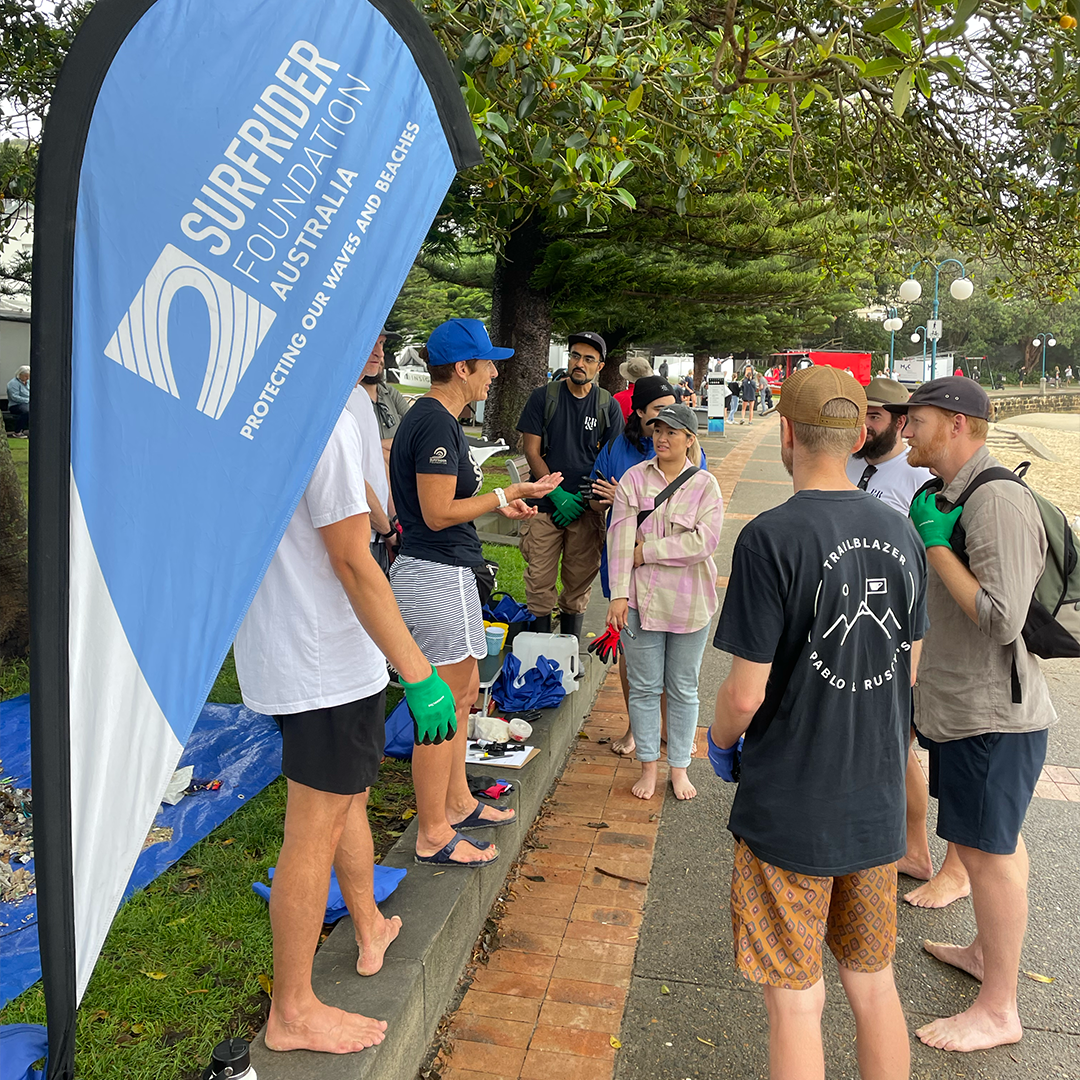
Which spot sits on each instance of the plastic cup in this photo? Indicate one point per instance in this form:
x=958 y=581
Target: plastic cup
x=494 y=635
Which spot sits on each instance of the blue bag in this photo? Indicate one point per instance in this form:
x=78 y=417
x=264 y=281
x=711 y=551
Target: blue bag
x=538 y=687
x=387 y=879
x=399 y=732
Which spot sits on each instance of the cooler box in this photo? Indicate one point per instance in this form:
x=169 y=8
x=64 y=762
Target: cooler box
x=562 y=648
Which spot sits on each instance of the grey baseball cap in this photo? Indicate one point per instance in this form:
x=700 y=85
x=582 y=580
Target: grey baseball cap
x=680 y=417
x=955 y=393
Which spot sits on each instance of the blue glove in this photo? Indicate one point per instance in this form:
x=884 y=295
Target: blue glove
x=725 y=763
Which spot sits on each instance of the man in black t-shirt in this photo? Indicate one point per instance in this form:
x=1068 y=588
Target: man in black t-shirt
x=824 y=617
x=563 y=428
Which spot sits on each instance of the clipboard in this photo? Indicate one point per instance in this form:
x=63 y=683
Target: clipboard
x=517 y=758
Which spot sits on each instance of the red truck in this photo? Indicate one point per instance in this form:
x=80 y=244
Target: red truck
x=784 y=363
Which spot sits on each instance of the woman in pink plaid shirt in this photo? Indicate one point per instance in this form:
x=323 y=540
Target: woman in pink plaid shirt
x=663 y=591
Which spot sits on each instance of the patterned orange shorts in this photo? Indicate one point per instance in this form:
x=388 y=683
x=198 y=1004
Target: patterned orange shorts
x=780 y=919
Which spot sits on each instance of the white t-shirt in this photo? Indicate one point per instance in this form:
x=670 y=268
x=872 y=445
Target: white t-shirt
x=301 y=646
x=895 y=481
x=373 y=464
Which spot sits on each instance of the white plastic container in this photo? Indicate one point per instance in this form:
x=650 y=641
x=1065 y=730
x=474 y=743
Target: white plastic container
x=562 y=648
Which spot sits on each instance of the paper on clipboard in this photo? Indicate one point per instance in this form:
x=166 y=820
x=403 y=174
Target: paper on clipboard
x=514 y=758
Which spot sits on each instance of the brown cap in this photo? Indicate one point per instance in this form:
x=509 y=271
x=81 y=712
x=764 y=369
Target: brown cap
x=882 y=391
x=804 y=394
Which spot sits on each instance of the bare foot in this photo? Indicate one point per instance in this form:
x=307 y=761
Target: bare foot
x=974 y=1029
x=940 y=891
x=645 y=788
x=624 y=746
x=320 y=1027
x=965 y=957
x=681 y=783
x=915 y=867
x=371 y=955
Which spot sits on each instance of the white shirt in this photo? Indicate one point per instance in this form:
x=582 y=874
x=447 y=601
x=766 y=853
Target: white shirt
x=373 y=464
x=301 y=646
x=895 y=481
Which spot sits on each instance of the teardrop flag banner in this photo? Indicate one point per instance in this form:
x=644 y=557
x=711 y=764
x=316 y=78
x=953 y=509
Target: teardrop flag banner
x=229 y=199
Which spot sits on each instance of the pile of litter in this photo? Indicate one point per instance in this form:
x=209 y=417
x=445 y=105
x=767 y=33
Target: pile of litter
x=16 y=842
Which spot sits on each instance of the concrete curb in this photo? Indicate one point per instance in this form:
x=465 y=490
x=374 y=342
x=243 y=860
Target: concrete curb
x=442 y=917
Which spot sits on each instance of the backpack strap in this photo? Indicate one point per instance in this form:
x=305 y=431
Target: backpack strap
x=551 y=403
x=666 y=494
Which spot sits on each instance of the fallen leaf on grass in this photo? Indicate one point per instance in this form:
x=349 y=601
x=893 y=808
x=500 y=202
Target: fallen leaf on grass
x=99 y=1014
x=582 y=735
x=706 y=1042
x=597 y=825
x=267 y=984
x=410 y=813
x=196 y=991
x=155 y=974
x=1039 y=978
x=177 y=922
x=614 y=1042
x=191 y=871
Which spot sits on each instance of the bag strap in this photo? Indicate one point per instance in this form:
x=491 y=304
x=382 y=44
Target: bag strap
x=551 y=403
x=667 y=492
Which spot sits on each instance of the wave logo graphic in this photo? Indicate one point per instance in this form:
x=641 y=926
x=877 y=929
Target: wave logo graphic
x=238 y=324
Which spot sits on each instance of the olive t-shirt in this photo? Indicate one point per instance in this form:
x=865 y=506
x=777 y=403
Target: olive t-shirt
x=430 y=440
x=830 y=589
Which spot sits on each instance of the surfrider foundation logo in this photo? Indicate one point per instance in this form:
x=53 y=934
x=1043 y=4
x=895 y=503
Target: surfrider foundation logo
x=238 y=324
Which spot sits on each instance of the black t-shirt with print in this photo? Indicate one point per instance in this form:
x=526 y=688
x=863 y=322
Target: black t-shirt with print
x=829 y=588
x=430 y=440
x=572 y=443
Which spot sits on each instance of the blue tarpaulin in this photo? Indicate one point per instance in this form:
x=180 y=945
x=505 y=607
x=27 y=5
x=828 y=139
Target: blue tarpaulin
x=229 y=743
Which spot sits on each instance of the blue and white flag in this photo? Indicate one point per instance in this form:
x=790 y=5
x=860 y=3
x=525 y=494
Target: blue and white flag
x=227 y=210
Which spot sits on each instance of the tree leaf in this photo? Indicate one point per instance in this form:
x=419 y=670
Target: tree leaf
x=624 y=196
x=682 y=155
x=503 y=54
x=902 y=91
x=1036 y=977
x=886 y=19
x=901 y=39
x=620 y=168
x=542 y=150
x=614 y=1042
x=266 y=983
x=633 y=99
x=883 y=65
x=922 y=81
x=155 y=975
x=808 y=100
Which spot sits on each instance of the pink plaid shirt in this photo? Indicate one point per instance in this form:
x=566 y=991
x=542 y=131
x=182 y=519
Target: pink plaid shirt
x=675 y=588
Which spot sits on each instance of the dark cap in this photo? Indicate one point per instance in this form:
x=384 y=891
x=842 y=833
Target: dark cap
x=680 y=417
x=805 y=393
x=649 y=389
x=590 y=338
x=955 y=393
x=390 y=335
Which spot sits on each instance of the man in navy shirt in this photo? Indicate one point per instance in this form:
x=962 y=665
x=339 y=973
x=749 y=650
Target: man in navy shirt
x=564 y=426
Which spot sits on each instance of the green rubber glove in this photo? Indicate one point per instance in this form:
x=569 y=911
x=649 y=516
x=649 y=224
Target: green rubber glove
x=568 y=507
x=432 y=706
x=934 y=526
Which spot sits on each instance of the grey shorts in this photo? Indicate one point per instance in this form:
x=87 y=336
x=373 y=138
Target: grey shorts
x=440 y=605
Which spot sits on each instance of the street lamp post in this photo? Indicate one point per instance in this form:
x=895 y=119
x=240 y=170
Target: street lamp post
x=1044 y=340
x=892 y=324
x=916 y=338
x=961 y=289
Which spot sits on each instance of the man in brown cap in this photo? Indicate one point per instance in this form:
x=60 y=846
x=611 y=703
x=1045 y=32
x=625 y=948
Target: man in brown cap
x=824 y=616
x=982 y=706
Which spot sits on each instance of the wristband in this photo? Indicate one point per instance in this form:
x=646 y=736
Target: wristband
x=501 y=495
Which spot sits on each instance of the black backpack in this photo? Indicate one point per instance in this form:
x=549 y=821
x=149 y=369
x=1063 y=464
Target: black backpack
x=1052 y=627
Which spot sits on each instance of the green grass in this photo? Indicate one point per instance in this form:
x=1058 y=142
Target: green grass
x=20 y=451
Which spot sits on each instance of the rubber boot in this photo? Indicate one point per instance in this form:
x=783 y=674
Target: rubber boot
x=541 y=624
x=571 y=624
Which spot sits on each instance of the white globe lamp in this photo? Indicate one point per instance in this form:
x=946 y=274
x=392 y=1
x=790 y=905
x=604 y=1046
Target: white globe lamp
x=1051 y=342
x=916 y=338
x=962 y=288
x=1037 y=342
x=892 y=324
x=910 y=290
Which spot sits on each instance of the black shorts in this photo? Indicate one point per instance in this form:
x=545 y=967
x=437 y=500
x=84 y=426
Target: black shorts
x=337 y=749
x=984 y=785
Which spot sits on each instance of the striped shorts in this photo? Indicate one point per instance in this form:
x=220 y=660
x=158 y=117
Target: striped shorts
x=441 y=609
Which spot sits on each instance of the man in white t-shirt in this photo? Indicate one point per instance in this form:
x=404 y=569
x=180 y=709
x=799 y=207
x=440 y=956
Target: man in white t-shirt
x=310 y=653
x=881 y=467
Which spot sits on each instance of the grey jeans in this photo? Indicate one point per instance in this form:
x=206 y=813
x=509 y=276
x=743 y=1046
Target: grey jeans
x=657 y=661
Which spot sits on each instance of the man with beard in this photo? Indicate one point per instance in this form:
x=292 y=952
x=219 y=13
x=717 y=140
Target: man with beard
x=982 y=706
x=824 y=616
x=881 y=467
x=564 y=426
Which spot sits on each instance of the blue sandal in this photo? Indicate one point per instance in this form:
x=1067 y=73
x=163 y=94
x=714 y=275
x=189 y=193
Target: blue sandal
x=475 y=821
x=442 y=856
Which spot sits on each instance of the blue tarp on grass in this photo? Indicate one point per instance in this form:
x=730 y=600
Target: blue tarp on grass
x=229 y=743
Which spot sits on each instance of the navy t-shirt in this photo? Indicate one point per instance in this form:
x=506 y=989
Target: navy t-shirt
x=573 y=434
x=829 y=588
x=430 y=440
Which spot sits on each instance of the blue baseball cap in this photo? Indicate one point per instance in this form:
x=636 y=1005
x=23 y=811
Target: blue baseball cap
x=462 y=339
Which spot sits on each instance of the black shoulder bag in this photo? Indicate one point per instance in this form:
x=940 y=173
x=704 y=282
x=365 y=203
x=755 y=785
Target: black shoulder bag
x=667 y=493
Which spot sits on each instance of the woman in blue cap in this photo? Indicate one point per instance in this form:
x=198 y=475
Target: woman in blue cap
x=435 y=484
